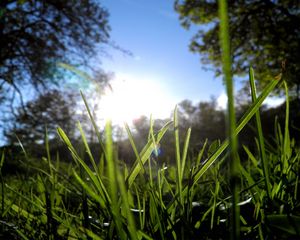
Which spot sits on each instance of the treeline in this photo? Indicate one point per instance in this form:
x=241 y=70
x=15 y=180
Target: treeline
x=207 y=121
x=208 y=124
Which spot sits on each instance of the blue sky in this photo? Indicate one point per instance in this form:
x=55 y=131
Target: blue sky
x=152 y=32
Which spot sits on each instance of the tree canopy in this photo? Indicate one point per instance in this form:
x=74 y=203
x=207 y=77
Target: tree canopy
x=35 y=35
x=49 y=110
x=263 y=34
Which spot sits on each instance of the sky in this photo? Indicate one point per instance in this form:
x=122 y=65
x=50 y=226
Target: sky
x=161 y=71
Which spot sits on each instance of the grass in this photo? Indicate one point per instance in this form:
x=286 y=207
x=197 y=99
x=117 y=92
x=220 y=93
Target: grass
x=106 y=199
x=231 y=121
x=199 y=197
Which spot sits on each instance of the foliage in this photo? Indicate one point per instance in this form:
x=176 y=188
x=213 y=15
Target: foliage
x=103 y=198
x=206 y=120
x=34 y=35
x=46 y=112
x=262 y=35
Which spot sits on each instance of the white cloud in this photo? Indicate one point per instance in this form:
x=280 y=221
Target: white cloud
x=274 y=101
x=222 y=101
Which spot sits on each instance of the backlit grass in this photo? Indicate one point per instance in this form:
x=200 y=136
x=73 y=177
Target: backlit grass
x=198 y=197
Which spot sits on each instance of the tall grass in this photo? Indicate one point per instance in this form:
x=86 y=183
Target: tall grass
x=106 y=199
x=231 y=122
x=102 y=199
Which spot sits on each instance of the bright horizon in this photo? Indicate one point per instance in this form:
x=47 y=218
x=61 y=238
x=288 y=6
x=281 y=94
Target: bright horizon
x=161 y=72
x=129 y=97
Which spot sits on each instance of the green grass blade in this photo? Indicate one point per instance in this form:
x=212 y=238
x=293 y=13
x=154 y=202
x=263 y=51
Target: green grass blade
x=215 y=196
x=96 y=180
x=133 y=145
x=154 y=213
x=143 y=235
x=125 y=204
x=251 y=182
x=113 y=185
x=261 y=141
x=111 y=171
x=38 y=206
x=286 y=152
x=151 y=137
x=253 y=160
x=93 y=122
x=90 y=234
x=185 y=150
x=66 y=140
x=145 y=154
x=233 y=142
x=201 y=152
x=22 y=235
x=87 y=148
x=178 y=158
x=89 y=190
x=22 y=147
x=241 y=124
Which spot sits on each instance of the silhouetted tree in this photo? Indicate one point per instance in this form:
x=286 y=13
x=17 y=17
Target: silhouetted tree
x=48 y=110
x=263 y=34
x=35 y=35
x=186 y=112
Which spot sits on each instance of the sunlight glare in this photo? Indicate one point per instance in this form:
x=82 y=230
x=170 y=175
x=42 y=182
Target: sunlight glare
x=222 y=101
x=131 y=97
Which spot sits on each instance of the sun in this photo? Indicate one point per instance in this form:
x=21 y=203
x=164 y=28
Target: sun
x=130 y=97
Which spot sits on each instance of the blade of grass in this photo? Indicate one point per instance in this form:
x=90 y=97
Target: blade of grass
x=22 y=147
x=102 y=188
x=241 y=124
x=201 y=152
x=253 y=160
x=231 y=122
x=113 y=187
x=286 y=153
x=145 y=154
x=141 y=212
x=87 y=148
x=185 y=150
x=25 y=198
x=89 y=190
x=178 y=158
x=143 y=235
x=95 y=179
x=90 y=233
x=125 y=204
x=155 y=214
x=133 y=145
x=261 y=141
x=93 y=122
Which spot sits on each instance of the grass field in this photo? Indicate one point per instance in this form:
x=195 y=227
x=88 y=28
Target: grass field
x=213 y=195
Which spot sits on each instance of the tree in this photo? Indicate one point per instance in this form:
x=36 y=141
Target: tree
x=35 y=35
x=186 y=112
x=48 y=110
x=263 y=34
